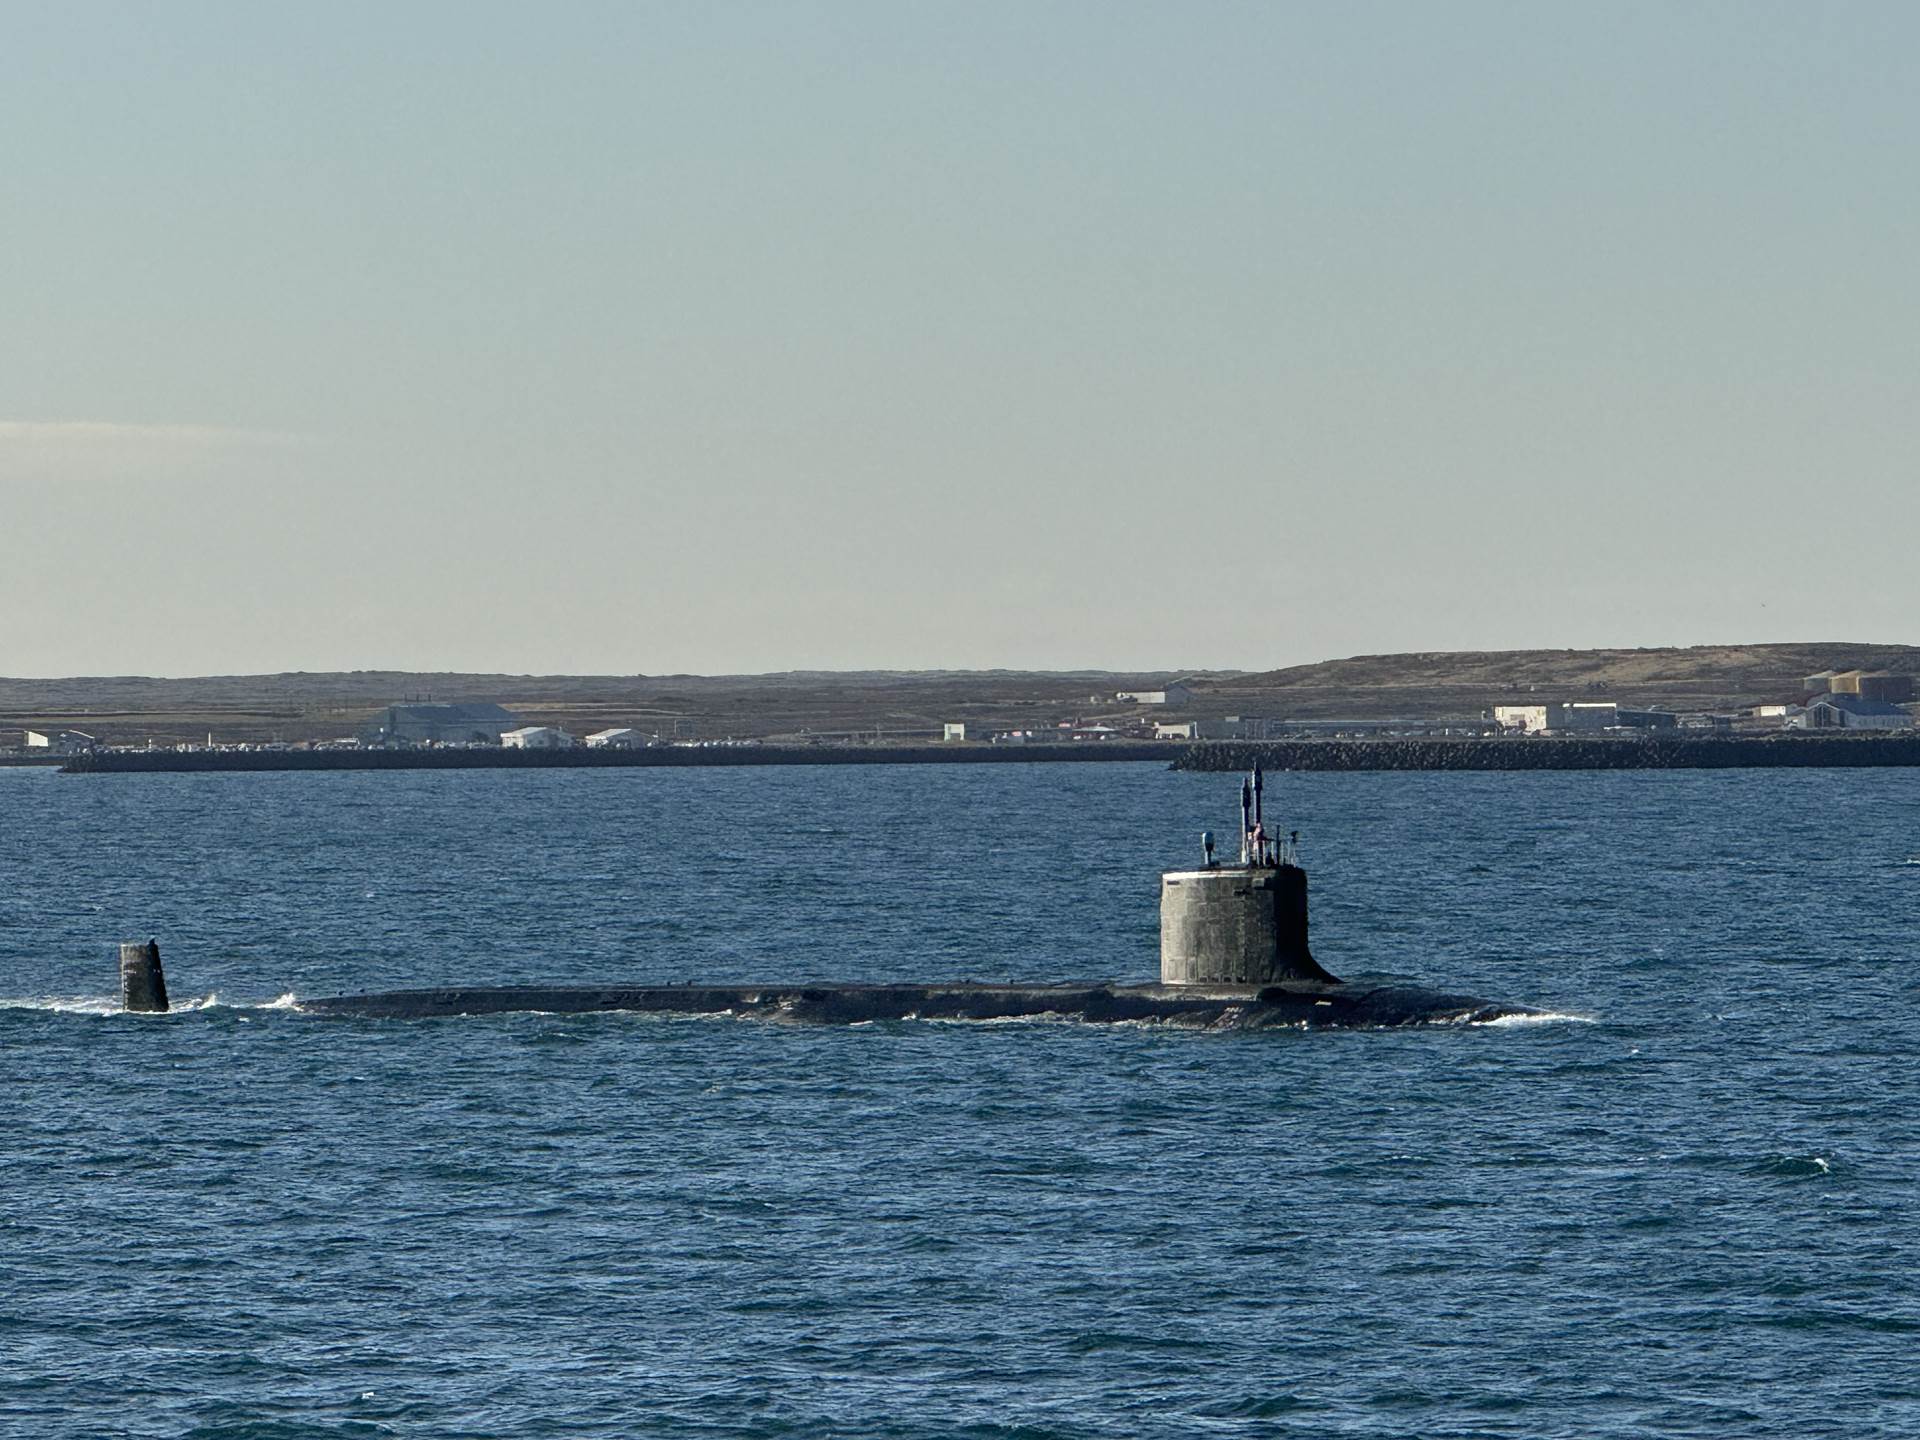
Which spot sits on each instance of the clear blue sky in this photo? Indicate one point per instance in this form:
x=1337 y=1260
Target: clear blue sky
x=720 y=337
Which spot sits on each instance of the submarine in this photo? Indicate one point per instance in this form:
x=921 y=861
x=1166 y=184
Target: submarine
x=1234 y=955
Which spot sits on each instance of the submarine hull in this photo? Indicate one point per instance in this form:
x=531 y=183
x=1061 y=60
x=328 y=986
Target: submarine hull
x=1224 y=1007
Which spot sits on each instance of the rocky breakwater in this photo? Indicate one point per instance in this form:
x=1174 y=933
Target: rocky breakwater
x=148 y=762
x=1706 y=752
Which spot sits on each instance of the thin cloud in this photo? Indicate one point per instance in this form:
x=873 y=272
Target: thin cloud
x=90 y=433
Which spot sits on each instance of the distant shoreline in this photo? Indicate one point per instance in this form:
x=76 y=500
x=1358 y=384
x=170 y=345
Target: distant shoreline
x=1721 y=752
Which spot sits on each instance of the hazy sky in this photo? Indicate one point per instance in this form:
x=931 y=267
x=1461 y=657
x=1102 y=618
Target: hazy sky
x=718 y=337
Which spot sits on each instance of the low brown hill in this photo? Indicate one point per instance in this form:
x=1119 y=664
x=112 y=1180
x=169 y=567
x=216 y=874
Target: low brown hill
x=1463 y=684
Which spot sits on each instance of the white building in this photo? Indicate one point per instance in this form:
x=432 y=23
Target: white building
x=1578 y=715
x=618 y=739
x=1174 y=695
x=1528 y=719
x=951 y=731
x=1850 y=712
x=1180 y=730
x=61 y=742
x=537 y=737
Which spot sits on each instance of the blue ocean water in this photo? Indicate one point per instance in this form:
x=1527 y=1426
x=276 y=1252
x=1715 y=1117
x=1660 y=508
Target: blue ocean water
x=1690 y=1211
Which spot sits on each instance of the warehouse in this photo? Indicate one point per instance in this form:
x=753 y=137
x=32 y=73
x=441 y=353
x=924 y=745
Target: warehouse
x=537 y=737
x=1851 y=712
x=475 y=724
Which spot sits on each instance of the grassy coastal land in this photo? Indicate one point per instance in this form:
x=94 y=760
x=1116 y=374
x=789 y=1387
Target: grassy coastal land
x=909 y=707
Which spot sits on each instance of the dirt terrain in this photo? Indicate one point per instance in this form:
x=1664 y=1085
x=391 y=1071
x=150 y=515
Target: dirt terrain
x=1460 y=685
x=1415 y=689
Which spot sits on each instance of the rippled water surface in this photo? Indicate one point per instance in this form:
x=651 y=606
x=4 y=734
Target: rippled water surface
x=1690 y=1212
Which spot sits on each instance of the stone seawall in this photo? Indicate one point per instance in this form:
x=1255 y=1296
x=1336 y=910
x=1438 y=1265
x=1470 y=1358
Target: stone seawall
x=148 y=762
x=1722 y=752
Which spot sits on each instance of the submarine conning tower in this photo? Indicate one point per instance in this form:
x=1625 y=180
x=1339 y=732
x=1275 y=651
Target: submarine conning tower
x=1244 y=924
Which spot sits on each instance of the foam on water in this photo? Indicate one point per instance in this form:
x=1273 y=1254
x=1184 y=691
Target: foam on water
x=103 y=1005
x=65 y=1004
x=1537 y=1017
x=110 y=1005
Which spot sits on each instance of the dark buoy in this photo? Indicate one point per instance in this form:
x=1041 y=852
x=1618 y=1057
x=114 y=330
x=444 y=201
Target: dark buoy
x=143 y=985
